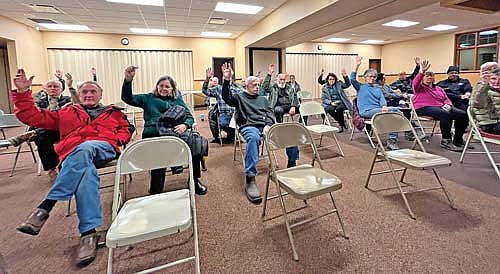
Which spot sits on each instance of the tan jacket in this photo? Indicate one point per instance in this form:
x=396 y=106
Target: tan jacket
x=485 y=103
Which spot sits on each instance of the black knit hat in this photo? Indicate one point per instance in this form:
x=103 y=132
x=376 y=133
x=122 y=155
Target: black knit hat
x=453 y=68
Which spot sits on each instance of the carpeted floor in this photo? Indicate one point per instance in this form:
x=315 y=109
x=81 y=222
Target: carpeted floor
x=233 y=239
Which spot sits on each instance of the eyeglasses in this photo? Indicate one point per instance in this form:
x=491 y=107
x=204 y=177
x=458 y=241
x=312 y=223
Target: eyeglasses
x=371 y=76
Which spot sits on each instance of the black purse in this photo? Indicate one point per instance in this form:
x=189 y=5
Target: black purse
x=174 y=116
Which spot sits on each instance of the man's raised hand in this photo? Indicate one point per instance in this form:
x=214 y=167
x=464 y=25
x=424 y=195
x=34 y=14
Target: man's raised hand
x=21 y=82
x=130 y=73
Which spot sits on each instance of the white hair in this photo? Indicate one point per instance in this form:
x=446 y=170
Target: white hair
x=251 y=79
x=488 y=66
x=54 y=81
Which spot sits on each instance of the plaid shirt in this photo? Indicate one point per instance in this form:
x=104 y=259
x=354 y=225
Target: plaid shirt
x=216 y=92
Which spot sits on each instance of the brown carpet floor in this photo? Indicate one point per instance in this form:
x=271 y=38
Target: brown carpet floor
x=233 y=239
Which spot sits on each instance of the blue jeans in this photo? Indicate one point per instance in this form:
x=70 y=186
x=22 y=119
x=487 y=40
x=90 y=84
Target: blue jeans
x=373 y=111
x=78 y=176
x=252 y=136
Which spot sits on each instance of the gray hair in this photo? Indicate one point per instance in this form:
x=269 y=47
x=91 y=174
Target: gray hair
x=91 y=83
x=429 y=73
x=370 y=71
x=488 y=66
x=54 y=81
x=251 y=79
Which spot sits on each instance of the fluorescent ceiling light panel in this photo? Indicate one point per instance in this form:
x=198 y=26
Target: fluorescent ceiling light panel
x=337 y=39
x=400 y=23
x=216 y=34
x=441 y=27
x=158 y=3
x=149 y=31
x=64 y=27
x=372 y=41
x=237 y=8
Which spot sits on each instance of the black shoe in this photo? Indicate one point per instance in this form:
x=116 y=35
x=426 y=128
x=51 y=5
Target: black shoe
x=291 y=164
x=199 y=188
x=215 y=141
x=341 y=129
x=461 y=144
x=252 y=191
x=448 y=144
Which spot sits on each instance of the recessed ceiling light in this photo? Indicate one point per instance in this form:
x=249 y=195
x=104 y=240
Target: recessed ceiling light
x=337 y=39
x=216 y=34
x=488 y=32
x=237 y=8
x=149 y=31
x=158 y=3
x=64 y=27
x=400 y=23
x=45 y=9
x=441 y=27
x=217 y=21
x=372 y=41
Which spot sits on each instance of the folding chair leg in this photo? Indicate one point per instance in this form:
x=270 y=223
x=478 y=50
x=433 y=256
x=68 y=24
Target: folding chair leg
x=68 y=212
x=352 y=133
x=403 y=175
x=371 y=169
x=401 y=190
x=320 y=140
x=344 y=234
x=466 y=145
x=433 y=128
x=266 y=193
x=110 y=261
x=287 y=224
x=3 y=133
x=338 y=144
x=444 y=189
x=369 y=135
x=15 y=160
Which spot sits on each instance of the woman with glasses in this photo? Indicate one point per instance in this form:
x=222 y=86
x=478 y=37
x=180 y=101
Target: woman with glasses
x=335 y=101
x=164 y=96
x=371 y=100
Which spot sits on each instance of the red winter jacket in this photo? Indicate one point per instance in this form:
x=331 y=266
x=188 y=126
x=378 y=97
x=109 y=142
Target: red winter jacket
x=74 y=124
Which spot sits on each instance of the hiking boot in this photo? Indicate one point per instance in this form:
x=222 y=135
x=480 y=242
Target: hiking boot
x=87 y=250
x=35 y=222
x=252 y=191
x=21 y=138
x=461 y=144
x=199 y=188
x=448 y=144
x=291 y=164
x=392 y=144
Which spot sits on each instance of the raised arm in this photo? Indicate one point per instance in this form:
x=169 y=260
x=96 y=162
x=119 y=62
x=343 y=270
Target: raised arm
x=210 y=92
x=416 y=69
x=417 y=81
x=321 y=77
x=127 y=96
x=74 y=94
x=347 y=82
x=267 y=81
x=354 y=74
x=227 y=95
x=59 y=75
x=93 y=71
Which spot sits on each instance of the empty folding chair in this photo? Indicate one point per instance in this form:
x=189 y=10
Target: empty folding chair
x=302 y=182
x=387 y=122
x=154 y=216
x=483 y=138
x=314 y=108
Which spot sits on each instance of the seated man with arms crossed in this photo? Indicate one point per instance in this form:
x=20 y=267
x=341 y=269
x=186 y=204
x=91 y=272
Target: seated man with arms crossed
x=90 y=134
x=254 y=118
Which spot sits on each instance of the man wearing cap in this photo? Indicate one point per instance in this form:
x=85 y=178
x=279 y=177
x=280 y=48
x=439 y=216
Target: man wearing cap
x=456 y=88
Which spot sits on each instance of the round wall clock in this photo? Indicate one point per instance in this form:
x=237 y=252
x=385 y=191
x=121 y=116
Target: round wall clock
x=124 y=41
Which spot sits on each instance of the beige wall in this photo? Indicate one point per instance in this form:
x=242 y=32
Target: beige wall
x=438 y=49
x=203 y=49
x=366 y=51
x=25 y=48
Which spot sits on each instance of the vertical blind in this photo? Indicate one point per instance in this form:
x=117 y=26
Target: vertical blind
x=307 y=66
x=110 y=65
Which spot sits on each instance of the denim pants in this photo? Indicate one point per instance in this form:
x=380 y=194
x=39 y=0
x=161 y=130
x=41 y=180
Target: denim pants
x=446 y=119
x=252 y=136
x=78 y=176
x=373 y=111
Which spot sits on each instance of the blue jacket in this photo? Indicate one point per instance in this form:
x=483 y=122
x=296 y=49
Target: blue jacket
x=339 y=86
x=369 y=96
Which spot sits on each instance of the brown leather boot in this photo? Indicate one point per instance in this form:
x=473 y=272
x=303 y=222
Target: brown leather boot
x=87 y=250
x=34 y=223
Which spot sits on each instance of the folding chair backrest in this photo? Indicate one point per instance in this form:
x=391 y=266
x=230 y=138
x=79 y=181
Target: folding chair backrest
x=154 y=153
x=385 y=122
x=305 y=95
x=10 y=120
x=283 y=135
x=311 y=108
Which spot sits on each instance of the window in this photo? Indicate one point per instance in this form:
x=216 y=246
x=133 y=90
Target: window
x=476 y=48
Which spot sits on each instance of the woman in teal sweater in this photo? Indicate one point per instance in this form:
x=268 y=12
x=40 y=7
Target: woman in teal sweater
x=154 y=104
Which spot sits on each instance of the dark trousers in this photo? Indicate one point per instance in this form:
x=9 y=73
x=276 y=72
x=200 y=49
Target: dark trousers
x=213 y=119
x=492 y=128
x=157 y=183
x=337 y=112
x=45 y=140
x=280 y=110
x=446 y=119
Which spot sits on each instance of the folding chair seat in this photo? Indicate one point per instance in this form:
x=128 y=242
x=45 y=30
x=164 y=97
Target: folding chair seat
x=368 y=121
x=314 y=108
x=387 y=122
x=154 y=216
x=482 y=137
x=302 y=182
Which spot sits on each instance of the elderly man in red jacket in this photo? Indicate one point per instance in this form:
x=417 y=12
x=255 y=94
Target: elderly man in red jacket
x=91 y=134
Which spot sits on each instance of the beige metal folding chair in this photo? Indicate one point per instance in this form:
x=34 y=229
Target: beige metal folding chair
x=387 y=122
x=305 y=96
x=314 y=108
x=302 y=182
x=418 y=121
x=367 y=132
x=483 y=138
x=154 y=216
x=212 y=104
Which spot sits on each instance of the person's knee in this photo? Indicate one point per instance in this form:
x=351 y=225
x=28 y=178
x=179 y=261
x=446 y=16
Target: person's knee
x=253 y=138
x=85 y=148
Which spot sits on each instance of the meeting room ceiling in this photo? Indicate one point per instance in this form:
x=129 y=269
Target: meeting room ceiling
x=426 y=16
x=186 y=18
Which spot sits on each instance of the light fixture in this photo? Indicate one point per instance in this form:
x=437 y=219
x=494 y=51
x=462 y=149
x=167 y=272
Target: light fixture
x=371 y=41
x=488 y=32
x=400 y=23
x=237 y=8
x=64 y=27
x=441 y=27
x=157 y=3
x=149 y=31
x=216 y=34
x=337 y=39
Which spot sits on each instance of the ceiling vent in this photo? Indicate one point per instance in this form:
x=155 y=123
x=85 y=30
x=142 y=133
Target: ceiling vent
x=45 y=9
x=483 y=6
x=217 y=21
x=43 y=21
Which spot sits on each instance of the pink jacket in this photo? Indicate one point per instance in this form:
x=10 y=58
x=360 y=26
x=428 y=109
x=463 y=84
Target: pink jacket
x=426 y=96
